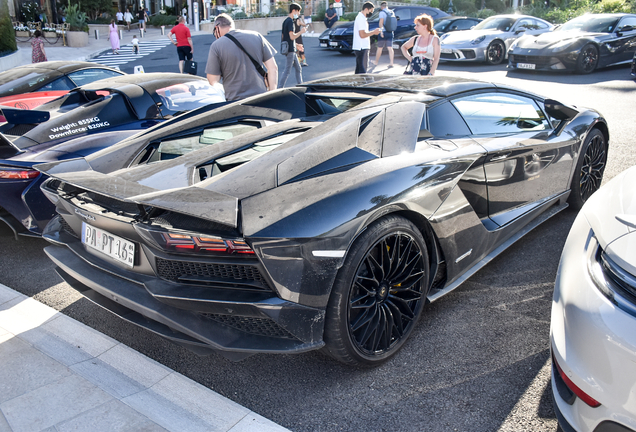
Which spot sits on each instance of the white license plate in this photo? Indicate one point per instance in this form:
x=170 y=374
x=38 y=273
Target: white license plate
x=323 y=44
x=333 y=44
x=119 y=249
x=447 y=51
x=525 y=66
x=396 y=46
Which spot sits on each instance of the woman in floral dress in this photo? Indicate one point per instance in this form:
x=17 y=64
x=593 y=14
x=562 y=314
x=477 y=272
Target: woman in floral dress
x=113 y=35
x=426 y=48
x=37 y=46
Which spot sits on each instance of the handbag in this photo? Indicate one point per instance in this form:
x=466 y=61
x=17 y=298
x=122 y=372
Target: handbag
x=190 y=67
x=284 y=47
x=409 y=69
x=261 y=70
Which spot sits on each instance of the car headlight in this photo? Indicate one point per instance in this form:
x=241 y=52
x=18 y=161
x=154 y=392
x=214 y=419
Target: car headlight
x=560 y=46
x=444 y=36
x=616 y=284
x=478 y=40
x=513 y=45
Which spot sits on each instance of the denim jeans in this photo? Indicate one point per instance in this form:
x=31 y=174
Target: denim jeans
x=362 y=61
x=292 y=60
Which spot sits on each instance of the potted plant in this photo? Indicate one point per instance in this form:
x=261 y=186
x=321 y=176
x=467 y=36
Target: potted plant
x=22 y=31
x=49 y=32
x=77 y=34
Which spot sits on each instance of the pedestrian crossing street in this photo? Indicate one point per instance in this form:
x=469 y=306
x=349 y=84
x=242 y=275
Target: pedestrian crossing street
x=126 y=54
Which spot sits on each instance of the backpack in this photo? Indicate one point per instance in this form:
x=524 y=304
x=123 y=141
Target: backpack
x=390 y=23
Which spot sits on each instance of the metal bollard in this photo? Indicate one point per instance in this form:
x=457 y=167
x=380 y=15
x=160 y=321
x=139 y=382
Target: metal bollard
x=121 y=34
x=141 y=32
x=163 y=30
x=96 y=34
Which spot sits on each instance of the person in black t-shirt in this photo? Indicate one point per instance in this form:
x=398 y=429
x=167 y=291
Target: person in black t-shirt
x=141 y=16
x=290 y=37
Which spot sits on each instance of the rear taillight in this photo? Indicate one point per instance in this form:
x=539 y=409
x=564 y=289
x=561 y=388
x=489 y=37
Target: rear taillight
x=18 y=174
x=574 y=388
x=182 y=242
x=192 y=243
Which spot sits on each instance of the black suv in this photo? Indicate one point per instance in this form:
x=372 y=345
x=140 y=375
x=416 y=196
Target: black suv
x=341 y=38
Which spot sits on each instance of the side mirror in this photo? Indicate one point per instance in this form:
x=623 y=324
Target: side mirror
x=559 y=111
x=424 y=134
x=521 y=30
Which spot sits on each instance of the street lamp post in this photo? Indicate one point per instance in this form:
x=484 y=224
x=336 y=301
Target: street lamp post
x=450 y=10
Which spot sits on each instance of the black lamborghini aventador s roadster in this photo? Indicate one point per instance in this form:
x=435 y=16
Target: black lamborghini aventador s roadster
x=357 y=200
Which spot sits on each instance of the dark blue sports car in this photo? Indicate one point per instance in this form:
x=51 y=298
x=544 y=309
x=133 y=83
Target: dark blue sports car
x=79 y=123
x=583 y=44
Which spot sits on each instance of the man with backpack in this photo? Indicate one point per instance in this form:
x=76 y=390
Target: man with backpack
x=388 y=24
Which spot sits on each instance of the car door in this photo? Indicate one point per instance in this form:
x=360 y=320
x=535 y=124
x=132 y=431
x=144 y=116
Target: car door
x=623 y=43
x=404 y=20
x=526 y=162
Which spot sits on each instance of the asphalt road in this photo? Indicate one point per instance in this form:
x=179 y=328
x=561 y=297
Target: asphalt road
x=479 y=358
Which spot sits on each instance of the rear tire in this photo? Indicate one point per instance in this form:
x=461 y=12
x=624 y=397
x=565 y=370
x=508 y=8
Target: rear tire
x=587 y=60
x=379 y=293
x=589 y=169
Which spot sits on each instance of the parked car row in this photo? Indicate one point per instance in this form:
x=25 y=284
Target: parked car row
x=582 y=45
x=328 y=215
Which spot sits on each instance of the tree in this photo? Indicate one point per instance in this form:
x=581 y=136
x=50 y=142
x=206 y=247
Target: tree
x=7 y=34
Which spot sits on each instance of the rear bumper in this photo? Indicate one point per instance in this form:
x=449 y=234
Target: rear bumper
x=236 y=324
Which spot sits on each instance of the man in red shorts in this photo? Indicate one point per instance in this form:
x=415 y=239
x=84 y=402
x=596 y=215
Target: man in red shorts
x=185 y=47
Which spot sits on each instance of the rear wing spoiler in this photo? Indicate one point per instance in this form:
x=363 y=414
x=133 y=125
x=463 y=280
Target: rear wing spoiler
x=20 y=116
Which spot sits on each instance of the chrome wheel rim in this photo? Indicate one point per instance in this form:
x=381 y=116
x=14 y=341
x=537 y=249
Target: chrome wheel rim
x=593 y=167
x=495 y=53
x=590 y=57
x=386 y=294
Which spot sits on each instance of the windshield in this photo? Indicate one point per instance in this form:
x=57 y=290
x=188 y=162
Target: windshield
x=496 y=23
x=441 y=25
x=24 y=80
x=594 y=24
x=187 y=96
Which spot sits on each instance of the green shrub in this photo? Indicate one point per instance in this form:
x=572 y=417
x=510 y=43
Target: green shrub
x=30 y=12
x=162 y=20
x=7 y=35
x=351 y=16
x=485 y=13
x=496 y=5
x=77 y=21
x=435 y=3
x=466 y=6
x=612 y=6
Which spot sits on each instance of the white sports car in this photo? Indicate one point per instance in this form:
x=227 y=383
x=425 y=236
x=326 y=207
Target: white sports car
x=594 y=314
x=489 y=40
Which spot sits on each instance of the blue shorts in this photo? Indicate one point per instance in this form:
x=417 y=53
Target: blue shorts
x=386 y=41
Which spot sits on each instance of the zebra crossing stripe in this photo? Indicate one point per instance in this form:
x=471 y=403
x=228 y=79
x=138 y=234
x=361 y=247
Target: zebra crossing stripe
x=126 y=53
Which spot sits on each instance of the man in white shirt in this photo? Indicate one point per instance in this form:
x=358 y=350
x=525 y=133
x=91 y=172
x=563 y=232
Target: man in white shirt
x=361 y=34
x=120 y=17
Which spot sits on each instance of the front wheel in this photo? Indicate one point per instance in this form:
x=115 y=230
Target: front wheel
x=495 y=53
x=379 y=293
x=589 y=169
x=587 y=60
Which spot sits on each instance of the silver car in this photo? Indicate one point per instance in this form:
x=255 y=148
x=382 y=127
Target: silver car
x=489 y=40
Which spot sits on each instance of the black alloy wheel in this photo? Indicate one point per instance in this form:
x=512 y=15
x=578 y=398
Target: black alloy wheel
x=495 y=53
x=378 y=296
x=587 y=60
x=589 y=169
